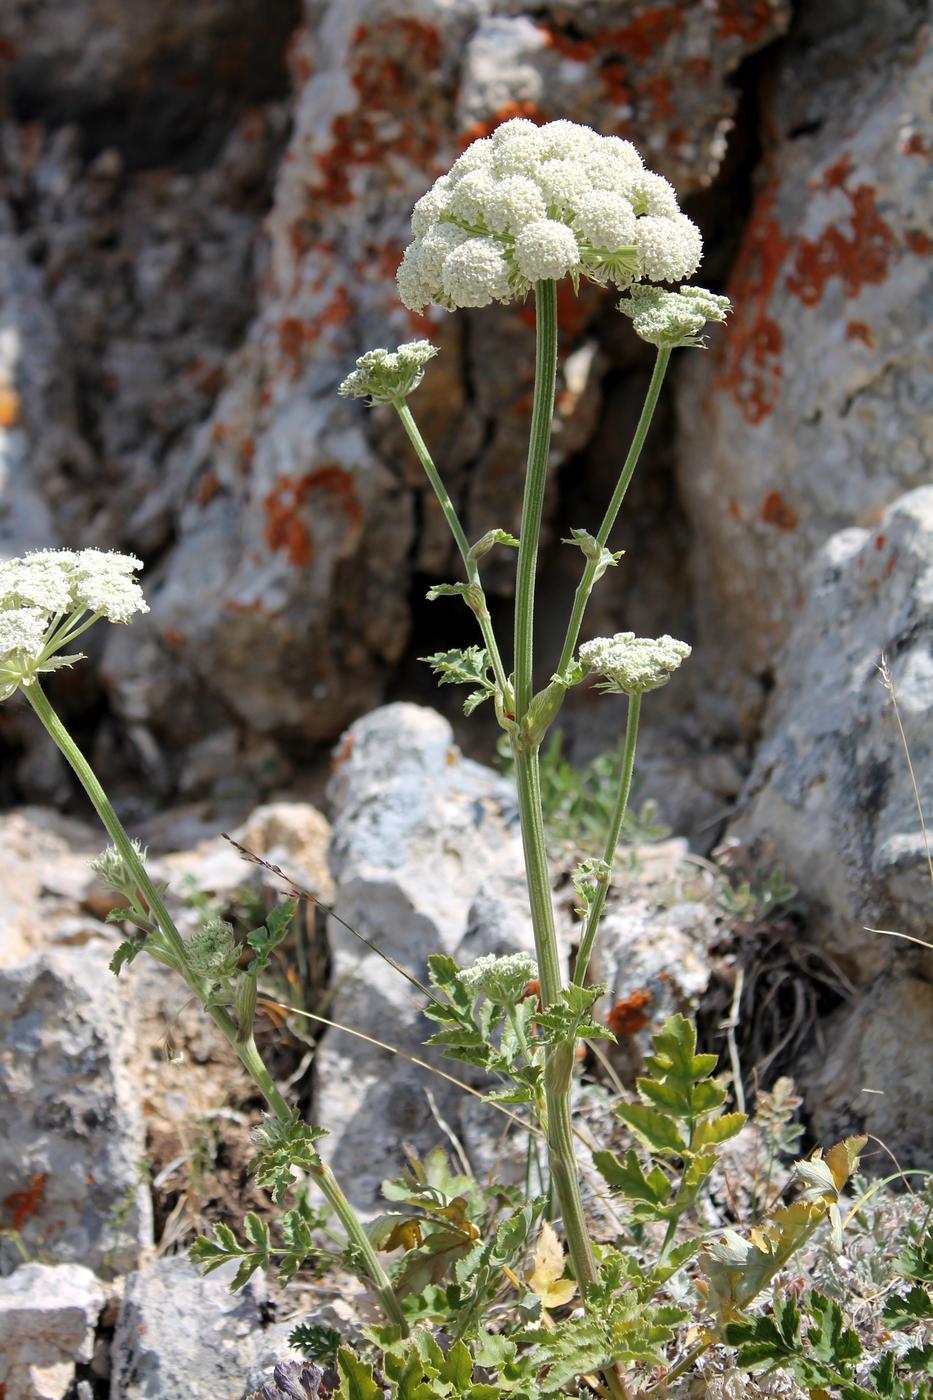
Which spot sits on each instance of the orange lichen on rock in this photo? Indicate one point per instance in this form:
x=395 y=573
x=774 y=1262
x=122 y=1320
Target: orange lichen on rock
x=860 y=330
x=386 y=121
x=629 y=1016
x=9 y=408
x=739 y=19
x=508 y=113
x=750 y=365
x=775 y=511
x=859 y=257
x=24 y=1205
x=286 y=532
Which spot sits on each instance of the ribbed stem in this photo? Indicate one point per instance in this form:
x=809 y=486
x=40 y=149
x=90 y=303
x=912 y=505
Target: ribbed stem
x=456 y=529
x=247 y=1052
x=612 y=838
x=585 y=586
x=542 y=416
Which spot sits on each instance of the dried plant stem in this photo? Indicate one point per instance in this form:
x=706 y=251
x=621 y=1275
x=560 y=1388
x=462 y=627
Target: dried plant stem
x=246 y=1051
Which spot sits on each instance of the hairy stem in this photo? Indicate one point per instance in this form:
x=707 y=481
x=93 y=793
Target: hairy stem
x=456 y=529
x=612 y=838
x=246 y=1051
x=542 y=415
x=585 y=586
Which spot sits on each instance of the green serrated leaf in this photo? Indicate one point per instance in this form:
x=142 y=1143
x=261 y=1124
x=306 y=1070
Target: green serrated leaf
x=627 y=1177
x=356 y=1378
x=658 y=1131
x=721 y=1129
x=123 y=955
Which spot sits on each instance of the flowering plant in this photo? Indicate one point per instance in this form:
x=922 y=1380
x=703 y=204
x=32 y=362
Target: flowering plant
x=518 y=211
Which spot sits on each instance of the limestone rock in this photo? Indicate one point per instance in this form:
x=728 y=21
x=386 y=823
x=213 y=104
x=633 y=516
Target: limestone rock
x=427 y=858
x=298 y=519
x=870 y=1071
x=830 y=796
x=182 y=1333
x=808 y=416
x=73 y=1144
x=47 y=1319
x=45 y=881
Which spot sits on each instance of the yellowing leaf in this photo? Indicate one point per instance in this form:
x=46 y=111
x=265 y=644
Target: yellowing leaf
x=405 y=1235
x=545 y=1279
x=842 y=1159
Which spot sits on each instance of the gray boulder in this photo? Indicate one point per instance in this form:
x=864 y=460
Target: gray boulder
x=72 y=1149
x=47 y=1320
x=811 y=412
x=427 y=858
x=830 y=796
x=180 y=1333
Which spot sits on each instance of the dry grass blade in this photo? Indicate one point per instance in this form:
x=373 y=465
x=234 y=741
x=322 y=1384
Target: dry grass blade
x=403 y=1055
x=888 y=683
x=297 y=892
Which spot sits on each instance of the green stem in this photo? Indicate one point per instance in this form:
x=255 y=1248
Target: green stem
x=585 y=586
x=104 y=809
x=662 y=1386
x=456 y=529
x=247 y=1051
x=542 y=416
x=612 y=838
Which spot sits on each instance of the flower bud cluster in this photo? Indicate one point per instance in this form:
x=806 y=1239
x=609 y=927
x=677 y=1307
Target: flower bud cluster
x=212 y=950
x=388 y=376
x=532 y=203
x=503 y=981
x=45 y=595
x=672 y=319
x=631 y=665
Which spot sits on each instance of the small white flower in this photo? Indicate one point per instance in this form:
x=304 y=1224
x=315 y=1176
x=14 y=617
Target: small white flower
x=535 y=203
x=545 y=249
x=469 y=196
x=515 y=201
x=388 y=376
x=605 y=219
x=478 y=153
x=562 y=182
x=21 y=629
x=476 y=274
x=503 y=981
x=431 y=206
x=672 y=319
x=652 y=194
x=668 y=249
x=631 y=665
x=45 y=600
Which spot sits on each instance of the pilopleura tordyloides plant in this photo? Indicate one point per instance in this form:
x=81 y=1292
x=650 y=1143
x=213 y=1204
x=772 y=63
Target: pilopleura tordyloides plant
x=531 y=203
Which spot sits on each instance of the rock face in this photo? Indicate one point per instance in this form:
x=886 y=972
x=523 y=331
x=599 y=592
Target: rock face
x=872 y=1071
x=807 y=418
x=47 y=1320
x=427 y=858
x=296 y=520
x=73 y=1144
x=830 y=796
x=180 y=1333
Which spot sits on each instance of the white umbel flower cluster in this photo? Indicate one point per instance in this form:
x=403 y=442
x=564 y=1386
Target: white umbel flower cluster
x=503 y=981
x=49 y=597
x=531 y=203
x=631 y=665
x=388 y=376
x=673 y=319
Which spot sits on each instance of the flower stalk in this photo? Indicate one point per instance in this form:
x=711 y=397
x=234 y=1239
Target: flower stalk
x=246 y=1050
